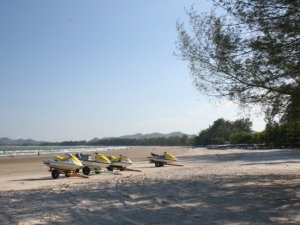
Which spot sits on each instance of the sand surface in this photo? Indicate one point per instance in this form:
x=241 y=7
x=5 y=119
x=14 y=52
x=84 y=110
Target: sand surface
x=213 y=187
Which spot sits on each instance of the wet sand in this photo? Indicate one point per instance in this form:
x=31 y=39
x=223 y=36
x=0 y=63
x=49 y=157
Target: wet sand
x=213 y=187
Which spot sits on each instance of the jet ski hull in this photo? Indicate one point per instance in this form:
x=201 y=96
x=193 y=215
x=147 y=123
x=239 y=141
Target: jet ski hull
x=61 y=165
x=99 y=162
x=95 y=164
x=161 y=160
x=166 y=161
x=121 y=162
x=68 y=165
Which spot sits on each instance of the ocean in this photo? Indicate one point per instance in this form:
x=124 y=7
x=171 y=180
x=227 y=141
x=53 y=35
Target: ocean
x=35 y=150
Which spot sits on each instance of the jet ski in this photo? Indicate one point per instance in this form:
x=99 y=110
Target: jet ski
x=161 y=160
x=120 y=162
x=68 y=164
x=99 y=162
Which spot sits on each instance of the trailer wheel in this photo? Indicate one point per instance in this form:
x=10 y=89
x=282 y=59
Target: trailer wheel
x=110 y=168
x=158 y=164
x=86 y=170
x=55 y=174
x=67 y=175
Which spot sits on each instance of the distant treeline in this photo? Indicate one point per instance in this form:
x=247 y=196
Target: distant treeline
x=222 y=132
x=161 y=141
x=276 y=135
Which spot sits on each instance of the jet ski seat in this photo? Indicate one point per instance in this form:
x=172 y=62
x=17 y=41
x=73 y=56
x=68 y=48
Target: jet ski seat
x=60 y=158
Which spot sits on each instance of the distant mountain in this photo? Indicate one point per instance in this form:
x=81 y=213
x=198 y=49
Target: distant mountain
x=140 y=136
x=94 y=140
x=8 y=141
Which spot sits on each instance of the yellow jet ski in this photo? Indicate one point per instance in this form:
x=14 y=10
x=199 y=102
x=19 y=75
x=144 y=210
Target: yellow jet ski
x=68 y=164
x=161 y=160
x=99 y=162
x=120 y=162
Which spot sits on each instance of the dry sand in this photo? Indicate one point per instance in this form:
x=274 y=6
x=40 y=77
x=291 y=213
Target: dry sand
x=213 y=187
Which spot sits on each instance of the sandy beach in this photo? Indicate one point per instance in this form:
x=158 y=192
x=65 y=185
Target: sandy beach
x=212 y=187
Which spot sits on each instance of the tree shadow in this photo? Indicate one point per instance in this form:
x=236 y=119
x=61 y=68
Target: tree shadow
x=248 y=156
x=39 y=179
x=215 y=199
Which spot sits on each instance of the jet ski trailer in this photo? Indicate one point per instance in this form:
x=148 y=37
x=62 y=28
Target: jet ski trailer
x=68 y=164
x=98 y=164
x=121 y=163
x=162 y=160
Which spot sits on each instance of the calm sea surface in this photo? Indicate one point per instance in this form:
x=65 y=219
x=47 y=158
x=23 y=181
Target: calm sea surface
x=34 y=150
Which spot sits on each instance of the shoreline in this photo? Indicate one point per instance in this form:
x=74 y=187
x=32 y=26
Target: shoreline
x=14 y=151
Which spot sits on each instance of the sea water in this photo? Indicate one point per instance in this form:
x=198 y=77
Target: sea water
x=35 y=150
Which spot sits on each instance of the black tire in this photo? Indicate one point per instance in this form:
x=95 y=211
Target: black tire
x=158 y=164
x=86 y=170
x=55 y=174
x=110 y=168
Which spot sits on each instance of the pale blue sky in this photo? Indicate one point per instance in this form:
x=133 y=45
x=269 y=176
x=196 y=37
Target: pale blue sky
x=74 y=70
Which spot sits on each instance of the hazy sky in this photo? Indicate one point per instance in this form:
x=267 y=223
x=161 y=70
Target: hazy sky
x=74 y=70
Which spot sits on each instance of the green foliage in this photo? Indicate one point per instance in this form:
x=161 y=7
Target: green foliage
x=218 y=140
x=242 y=137
x=259 y=137
x=224 y=131
x=283 y=135
x=161 y=141
x=248 y=54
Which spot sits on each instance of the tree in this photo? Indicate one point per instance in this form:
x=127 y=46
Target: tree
x=242 y=137
x=283 y=135
x=243 y=124
x=224 y=131
x=250 y=54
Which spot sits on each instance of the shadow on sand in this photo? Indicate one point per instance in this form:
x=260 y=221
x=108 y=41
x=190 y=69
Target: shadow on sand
x=261 y=199
x=249 y=157
x=39 y=179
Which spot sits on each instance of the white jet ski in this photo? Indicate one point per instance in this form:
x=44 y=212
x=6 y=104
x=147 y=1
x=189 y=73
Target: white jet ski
x=99 y=162
x=161 y=160
x=68 y=164
x=120 y=162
